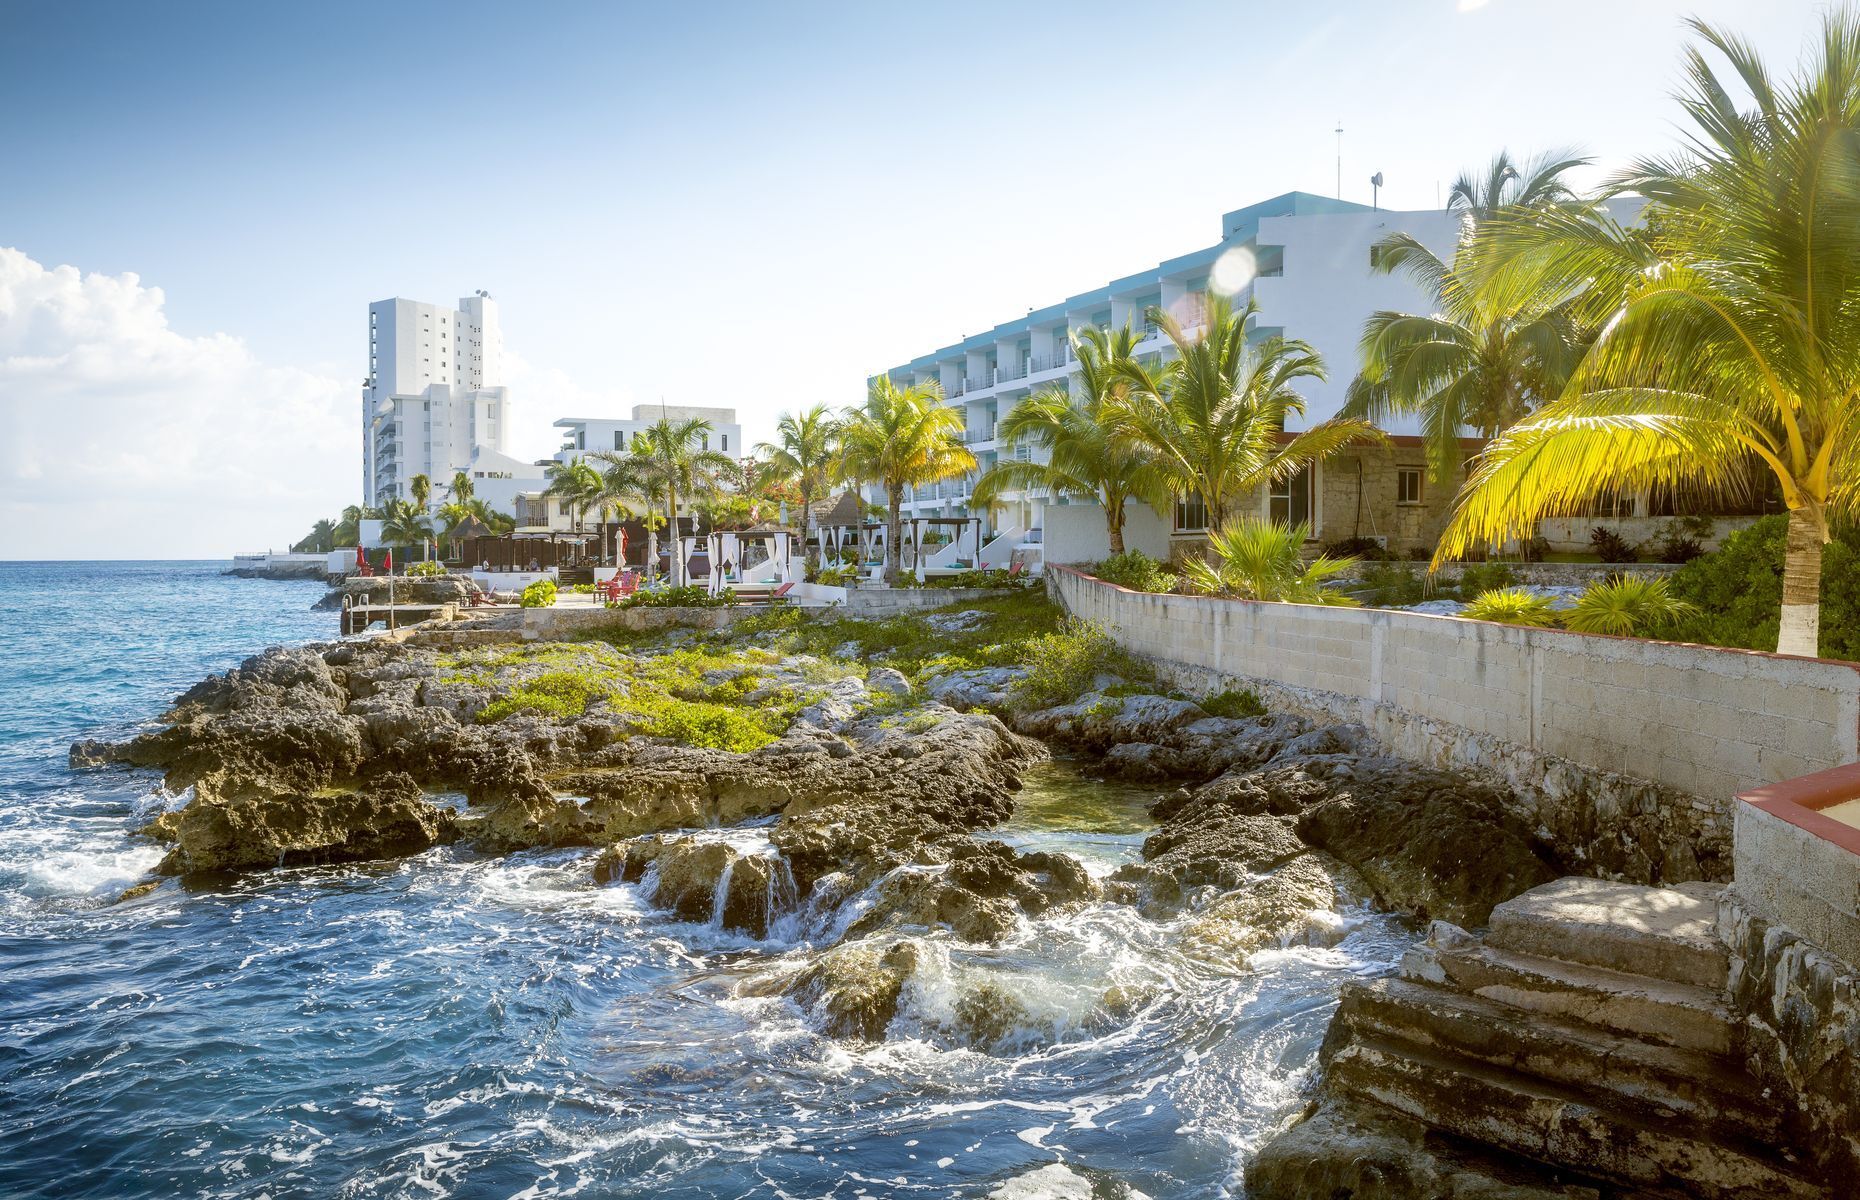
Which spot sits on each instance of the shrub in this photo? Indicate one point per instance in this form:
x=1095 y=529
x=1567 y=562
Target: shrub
x=690 y=595
x=995 y=577
x=1736 y=591
x=1536 y=548
x=540 y=594
x=1135 y=570
x=553 y=693
x=1611 y=547
x=1062 y=665
x=426 y=570
x=1264 y=560
x=1627 y=605
x=1244 y=703
x=1386 y=585
x=581 y=589
x=1479 y=578
x=1682 y=540
x=843 y=575
x=1364 y=548
x=1511 y=606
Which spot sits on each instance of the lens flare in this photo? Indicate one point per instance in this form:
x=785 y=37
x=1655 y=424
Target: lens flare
x=1233 y=270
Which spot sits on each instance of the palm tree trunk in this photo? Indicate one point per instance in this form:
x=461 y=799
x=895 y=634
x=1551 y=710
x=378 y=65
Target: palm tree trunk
x=677 y=543
x=807 y=519
x=894 y=535
x=1114 y=522
x=1801 y=590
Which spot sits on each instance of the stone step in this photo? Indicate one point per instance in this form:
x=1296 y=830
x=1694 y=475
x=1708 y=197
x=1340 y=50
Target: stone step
x=1655 y=1010
x=1656 y=1082
x=1563 y=1127
x=1664 y=933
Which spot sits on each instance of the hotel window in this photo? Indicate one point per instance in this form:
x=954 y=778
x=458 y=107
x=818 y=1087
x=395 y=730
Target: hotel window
x=1407 y=485
x=1191 y=515
x=1289 y=502
x=619 y=439
x=726 y=442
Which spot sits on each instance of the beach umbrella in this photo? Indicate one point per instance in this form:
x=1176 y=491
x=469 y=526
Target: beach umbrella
x=361 y=559
x=388 y=563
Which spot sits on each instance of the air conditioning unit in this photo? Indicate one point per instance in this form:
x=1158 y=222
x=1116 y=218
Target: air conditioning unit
x=1380 y=539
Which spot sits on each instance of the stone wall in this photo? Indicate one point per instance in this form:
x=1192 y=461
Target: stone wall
x=1359 y=499
x=1799 y=1010
x=879 y=601
x=1799 y=867
x=1627 y=752
x=1571 y=534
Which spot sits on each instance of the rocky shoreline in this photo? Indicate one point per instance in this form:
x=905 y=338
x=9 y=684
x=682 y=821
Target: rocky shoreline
x=826 y=800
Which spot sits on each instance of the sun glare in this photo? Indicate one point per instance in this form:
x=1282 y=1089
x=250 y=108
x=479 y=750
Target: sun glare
x=1233 y=270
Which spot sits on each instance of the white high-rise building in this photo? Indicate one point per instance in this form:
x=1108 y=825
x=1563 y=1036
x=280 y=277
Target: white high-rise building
x=434 y=402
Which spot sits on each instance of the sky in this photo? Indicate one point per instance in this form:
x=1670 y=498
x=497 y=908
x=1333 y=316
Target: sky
x=753 y=206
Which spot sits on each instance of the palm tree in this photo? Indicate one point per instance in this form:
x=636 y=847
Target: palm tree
x=322 y=539
x=1256 y=559
x=461 y=488
x=421 y=488
x=1085 y=432
x=501 y=524
x=802 y=455
x=1214 y=416
x=1729 y=333
x=1508 y=186
x=618 y=493
x=403 y=524
x=670 y=460
x=902 y=437
x=349 y=529
x=577 y=485
x=1480 y=360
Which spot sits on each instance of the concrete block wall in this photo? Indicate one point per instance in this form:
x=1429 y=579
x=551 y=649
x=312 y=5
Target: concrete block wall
x=1699 y=720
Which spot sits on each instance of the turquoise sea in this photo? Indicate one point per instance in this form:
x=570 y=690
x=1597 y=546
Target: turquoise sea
x=460 y=1026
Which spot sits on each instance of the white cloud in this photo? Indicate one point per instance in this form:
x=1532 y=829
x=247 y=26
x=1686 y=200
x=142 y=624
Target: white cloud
x=120 y=438
x=541 y=395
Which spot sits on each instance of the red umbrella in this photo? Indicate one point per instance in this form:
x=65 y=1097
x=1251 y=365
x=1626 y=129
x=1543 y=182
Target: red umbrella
x=361 y=559
x=387 y=564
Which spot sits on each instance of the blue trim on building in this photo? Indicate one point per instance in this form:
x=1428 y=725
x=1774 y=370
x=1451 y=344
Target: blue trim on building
x=1238 y=228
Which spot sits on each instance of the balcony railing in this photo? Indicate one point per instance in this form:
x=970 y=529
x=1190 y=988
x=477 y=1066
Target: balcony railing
x=1053 y=362
x=1017 y=371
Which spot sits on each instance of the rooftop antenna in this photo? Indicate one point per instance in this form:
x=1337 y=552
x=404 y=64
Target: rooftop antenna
x=1339 y=158
x=1375 y=190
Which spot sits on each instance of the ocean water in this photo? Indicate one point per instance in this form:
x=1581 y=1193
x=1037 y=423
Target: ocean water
x=459 y=1026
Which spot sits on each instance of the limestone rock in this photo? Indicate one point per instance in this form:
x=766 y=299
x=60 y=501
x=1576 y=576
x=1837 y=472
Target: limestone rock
x=1365 y=1154
x=390 y=819
x=888 y=681
x=978 y=687
x=1097 y=722
x=978 y=890
x=1293 y=906
x=853 y=990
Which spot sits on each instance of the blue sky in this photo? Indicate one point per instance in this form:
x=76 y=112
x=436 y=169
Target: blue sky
x=720 y=204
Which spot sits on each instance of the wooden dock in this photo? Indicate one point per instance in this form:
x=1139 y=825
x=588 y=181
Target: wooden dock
x=357 y=617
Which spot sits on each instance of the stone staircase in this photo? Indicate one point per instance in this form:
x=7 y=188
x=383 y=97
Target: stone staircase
x=1586 y=1032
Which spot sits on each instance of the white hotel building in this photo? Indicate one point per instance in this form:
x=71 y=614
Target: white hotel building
x=434 y=402
x=586 y=435
x=1305 y=259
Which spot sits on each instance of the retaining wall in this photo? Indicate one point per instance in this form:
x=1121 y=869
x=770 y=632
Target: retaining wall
x=1628 y=752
